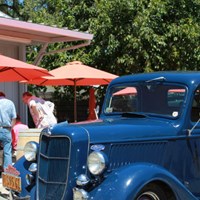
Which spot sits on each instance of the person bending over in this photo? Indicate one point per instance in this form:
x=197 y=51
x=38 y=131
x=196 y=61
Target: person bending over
x=40 y=110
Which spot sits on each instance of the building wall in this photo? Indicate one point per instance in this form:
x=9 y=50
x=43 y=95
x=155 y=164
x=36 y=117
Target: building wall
x=14 y=90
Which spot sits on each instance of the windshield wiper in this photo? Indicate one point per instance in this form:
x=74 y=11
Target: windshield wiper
x=133 y=114
x=157 y=79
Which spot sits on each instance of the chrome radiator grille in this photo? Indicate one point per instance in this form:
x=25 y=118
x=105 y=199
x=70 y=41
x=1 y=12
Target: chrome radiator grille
x=53 y=166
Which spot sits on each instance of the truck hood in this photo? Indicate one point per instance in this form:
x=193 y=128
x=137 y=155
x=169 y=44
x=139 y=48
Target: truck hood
x=125 y=129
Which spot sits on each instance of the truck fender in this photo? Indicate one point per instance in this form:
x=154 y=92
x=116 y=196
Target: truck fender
x=22 y=165
x=126 y=182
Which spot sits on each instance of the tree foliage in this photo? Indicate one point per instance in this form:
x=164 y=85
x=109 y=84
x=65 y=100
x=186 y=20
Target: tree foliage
x=138 y=36
x=129 y=36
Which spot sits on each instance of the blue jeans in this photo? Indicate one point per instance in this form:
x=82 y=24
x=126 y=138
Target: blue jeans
x=6 y=139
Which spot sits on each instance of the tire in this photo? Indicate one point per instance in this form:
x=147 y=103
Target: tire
x=152 y=192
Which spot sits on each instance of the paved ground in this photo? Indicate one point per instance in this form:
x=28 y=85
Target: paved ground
x=4 y=194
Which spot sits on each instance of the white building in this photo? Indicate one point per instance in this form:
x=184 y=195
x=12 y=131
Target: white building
x=15 y=35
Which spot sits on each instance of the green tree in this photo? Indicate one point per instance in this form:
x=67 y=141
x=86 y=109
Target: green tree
x=129 y=36
x=138 y=36
x=10 y=7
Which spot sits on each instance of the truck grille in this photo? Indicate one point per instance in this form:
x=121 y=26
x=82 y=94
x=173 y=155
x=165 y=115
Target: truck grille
x=53 y=166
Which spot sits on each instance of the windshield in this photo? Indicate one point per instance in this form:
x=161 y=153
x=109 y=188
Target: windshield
x=147 y=98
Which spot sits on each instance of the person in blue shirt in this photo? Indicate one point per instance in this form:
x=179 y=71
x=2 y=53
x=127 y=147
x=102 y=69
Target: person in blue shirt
x=7 y=121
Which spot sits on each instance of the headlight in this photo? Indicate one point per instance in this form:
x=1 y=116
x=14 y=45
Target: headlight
x=82 y=180
x=97 y=162
x=80 y=194
x=30 y=179
x=30 y=151
x=33 y=168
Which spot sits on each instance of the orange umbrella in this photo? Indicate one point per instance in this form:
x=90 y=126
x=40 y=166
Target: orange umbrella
x=75 y=74
x=16 y=70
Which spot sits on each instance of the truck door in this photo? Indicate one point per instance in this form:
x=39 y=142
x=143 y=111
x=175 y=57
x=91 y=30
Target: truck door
x=192 y=157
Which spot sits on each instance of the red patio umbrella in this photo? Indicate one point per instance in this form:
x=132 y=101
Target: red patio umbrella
x=75 y=74
x=15 y=70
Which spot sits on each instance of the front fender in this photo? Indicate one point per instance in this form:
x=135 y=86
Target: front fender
x=131 y=179
x=22 y=166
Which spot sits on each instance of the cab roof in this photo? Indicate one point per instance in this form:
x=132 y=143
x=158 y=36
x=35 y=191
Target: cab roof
x=184 y=77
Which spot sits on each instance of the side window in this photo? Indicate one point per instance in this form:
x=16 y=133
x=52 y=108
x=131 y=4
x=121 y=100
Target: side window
x=195 y=112
x=175 y=99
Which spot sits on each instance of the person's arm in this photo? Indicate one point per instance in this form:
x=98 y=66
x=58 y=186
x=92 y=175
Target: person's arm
x=38 y=115
x=35 y=111
x=14 y=139
x=33 y=106
x=13 y=122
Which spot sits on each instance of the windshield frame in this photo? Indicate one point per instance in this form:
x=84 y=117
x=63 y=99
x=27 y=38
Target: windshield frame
x=173 y=85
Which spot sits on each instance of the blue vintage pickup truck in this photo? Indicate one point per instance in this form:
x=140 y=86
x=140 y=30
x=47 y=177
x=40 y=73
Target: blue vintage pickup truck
x=144 y=146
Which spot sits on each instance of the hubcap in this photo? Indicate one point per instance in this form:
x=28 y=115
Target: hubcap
x=148 y=196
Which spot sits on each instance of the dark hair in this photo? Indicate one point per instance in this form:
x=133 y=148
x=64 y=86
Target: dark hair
x=18 y=118
x=2 y=94
x=27 y=94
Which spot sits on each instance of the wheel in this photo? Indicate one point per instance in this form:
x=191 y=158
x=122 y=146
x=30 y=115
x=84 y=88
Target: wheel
x=152 y=192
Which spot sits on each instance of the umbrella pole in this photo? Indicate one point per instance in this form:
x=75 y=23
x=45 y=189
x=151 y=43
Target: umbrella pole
x=75 y=112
